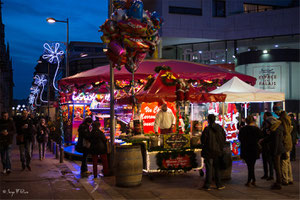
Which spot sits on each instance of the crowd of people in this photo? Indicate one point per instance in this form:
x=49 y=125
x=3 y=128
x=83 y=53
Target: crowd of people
x=29 y=131
x=275 y=141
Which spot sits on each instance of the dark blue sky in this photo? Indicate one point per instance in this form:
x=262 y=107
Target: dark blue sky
x=26 y=30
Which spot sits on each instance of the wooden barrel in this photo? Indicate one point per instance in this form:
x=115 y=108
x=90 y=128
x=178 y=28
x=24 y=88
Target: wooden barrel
x=129 y=166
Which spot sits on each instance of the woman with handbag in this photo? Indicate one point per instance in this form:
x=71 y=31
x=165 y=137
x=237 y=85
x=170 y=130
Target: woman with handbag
x=98 y=147
x=42 y=137
x=249 y=137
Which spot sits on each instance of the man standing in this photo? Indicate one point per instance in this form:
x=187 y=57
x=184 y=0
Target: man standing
x=84 y=137
x=7 y=131
x=213 y=139
x=165 y=120
x=24 y=139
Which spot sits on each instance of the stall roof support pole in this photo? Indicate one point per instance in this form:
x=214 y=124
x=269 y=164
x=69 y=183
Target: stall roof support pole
x=112 y=117
x=245 y=110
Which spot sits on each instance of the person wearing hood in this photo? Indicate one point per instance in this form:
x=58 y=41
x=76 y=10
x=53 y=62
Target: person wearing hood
x=286 y=167
x=275 y=140
x=213 y=139
x=249 y=136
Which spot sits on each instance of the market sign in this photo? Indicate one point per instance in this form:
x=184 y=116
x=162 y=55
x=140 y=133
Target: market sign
x=176 y=141
x=268 y=76
x=173 y=160
x=148 y=113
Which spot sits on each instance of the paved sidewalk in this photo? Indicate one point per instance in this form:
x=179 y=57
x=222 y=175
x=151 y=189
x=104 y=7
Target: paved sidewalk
x=51 y=180
x=48 y=180
x=186 y=185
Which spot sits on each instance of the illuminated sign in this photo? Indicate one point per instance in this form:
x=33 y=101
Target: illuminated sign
x=84 y=97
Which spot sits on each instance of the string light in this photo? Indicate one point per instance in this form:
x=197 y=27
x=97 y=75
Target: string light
x=41 y=81
x=53 y=54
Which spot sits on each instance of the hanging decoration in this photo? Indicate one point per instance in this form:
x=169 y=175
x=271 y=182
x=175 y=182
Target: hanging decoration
x=169 y=79
x=53 y=54
x=35 y=92
x=41 y=81
x=130 y=33
x=31 y=100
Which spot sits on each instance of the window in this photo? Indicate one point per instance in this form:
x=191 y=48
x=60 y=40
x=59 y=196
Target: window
x=219 y=8
x=185 y=10
x=248 y=8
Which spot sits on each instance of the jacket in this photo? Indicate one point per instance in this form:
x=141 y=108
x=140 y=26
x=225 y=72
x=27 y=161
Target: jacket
x=42 y=137
x=98 y=143
x=276 y=139
x=294 y=132
x=249 y=137
x=83 y=133
x=213 y=139
x=26 y=132
x=8 y=125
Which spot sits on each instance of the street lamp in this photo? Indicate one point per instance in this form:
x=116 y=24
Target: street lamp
x=51 y=21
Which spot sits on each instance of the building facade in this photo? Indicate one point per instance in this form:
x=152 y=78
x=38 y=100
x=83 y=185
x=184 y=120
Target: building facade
x=6 y=72
x=225 y=31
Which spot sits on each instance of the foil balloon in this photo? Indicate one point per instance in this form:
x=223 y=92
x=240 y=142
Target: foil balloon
x=136 y=10
x=130 y=33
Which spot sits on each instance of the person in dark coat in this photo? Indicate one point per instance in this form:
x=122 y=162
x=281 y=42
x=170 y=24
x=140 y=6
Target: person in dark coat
x=24 y=128
x=249 y=136
x=294 y=134
x=213 y=139
x=266 y=153
x=7 y=131
x=277 y=148
x=42 y=137
x=98 y=147
x=84 y=135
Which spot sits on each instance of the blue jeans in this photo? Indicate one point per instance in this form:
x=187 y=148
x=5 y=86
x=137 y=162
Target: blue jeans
x=5 y=157
x=210 y=166
x=42 y=149
x=25 y=153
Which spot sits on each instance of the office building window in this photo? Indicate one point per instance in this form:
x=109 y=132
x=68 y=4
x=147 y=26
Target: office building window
x=185 y=10
x=219 y=8
x=248 y=8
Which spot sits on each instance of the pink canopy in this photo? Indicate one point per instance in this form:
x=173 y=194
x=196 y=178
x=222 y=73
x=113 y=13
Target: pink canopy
x=159 y=92
x=185 y=69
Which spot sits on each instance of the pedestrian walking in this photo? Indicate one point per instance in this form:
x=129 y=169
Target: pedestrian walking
x=42 y=137
x=24 y=139
x=98 y=147
x=266 y=152
x=286 y=167
x=213 y=140
x=294 y=136
x=275 y=139
x=84 y=142
x=249 y=136
x=7 y=131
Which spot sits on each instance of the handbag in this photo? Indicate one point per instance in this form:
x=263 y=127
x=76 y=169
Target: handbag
x=86 y=143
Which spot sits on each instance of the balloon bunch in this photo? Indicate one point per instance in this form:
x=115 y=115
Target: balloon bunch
x=130 y=33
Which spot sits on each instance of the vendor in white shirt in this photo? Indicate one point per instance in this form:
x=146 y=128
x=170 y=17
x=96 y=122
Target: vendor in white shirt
x=165 y=120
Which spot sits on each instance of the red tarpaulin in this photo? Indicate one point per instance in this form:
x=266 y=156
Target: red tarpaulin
x=185 y=69
x=158 y=91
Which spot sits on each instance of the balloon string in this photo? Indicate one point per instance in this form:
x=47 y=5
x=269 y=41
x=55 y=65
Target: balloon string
x=55 y=76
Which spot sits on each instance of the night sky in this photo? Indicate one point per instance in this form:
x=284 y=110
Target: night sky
x=26 y=30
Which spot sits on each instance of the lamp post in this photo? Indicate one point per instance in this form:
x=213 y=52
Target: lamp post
x=51 y=21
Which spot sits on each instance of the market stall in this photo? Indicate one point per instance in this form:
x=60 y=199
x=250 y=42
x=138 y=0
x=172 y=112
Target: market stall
x=174 y=151
x=237 y=91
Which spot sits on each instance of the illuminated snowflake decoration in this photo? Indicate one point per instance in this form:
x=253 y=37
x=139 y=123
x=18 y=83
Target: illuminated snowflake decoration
x=31 y=99
x=41 y=80
x=35 y=90
x=53 y=54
